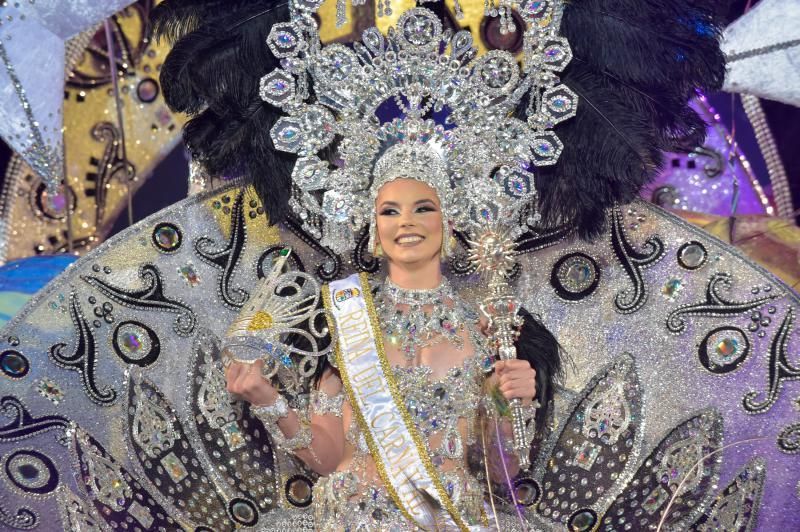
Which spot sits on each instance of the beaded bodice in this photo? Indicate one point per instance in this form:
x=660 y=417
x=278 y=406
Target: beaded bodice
x=437 y=405
x=445 y=412
x=443 y=407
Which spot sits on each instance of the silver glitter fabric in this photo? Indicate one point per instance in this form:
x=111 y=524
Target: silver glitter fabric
x=446 y=412
x=409 y=326
x=763 y=50
x=683 y=353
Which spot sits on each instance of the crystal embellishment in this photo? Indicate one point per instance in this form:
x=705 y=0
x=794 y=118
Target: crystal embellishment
x=587 y=455
x=133 y=341
x=14 y=364
x=234 y=437
x=287 y=135
x=167 y=237
x=672 y=288
x=50 y=390
x=189 y=274
x=692 y=255
x=284 y=40
x=277 y=88
x=174 y=468
x=724 y=350
x=151 y=427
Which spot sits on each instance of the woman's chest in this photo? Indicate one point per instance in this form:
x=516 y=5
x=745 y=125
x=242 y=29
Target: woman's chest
x=436 y=403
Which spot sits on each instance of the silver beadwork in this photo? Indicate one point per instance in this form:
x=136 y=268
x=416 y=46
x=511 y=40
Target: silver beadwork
x=481 y=162
x=414 y=319
x=323 y=404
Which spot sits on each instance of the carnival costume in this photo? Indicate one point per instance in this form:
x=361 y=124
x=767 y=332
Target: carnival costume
x=535 y=156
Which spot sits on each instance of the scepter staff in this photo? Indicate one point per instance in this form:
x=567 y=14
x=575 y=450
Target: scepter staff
x=492 y=253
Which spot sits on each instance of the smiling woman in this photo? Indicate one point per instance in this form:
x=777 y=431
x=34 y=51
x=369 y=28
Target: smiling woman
x=409 y=232
x=413 y=385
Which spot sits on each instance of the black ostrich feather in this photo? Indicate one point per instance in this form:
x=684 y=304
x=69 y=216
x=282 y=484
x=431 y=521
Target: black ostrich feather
x=540 y=348
x=212 y=74
x=636 y=66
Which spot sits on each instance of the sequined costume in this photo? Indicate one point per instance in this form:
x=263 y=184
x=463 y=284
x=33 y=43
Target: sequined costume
x=113 y=398
x=446 y=410
x=450 y=412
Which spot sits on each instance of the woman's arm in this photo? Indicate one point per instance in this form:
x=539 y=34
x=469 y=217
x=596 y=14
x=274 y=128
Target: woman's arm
x=316 y=438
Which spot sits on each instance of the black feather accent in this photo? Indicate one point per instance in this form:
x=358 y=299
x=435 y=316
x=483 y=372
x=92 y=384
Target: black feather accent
x=212 y=74
x=636 y=65
x=650 y=43
x=173 y=19
x=178 y=82
x=540 y=348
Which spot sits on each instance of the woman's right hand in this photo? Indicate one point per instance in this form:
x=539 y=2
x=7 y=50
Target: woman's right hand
x=245 y=380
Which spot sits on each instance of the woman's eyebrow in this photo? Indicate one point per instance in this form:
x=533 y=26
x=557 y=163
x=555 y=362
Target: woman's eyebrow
x=395 y=204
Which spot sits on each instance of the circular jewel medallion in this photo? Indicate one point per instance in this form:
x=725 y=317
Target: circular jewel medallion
x=299 y=490
x=527 y=491
x=575 y=276
x=582 y=520
x=692 y=255
x=723 y=350
x=14 y=364
x=243 y=511
x=167 y=237
x=136 y=343
x=31 y=472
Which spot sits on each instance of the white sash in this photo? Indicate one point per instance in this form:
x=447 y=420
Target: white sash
x=394 y=442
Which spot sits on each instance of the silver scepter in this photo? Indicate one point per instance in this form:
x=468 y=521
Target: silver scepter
x=493 y=255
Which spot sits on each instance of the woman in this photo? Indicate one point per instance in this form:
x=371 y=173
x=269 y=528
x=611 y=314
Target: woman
x=440 y=377
x=588 y=131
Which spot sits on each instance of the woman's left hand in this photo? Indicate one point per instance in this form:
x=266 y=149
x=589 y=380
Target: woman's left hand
x=516 y=380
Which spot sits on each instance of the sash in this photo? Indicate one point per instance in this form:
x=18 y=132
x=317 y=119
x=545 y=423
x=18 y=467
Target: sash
x=396 y=446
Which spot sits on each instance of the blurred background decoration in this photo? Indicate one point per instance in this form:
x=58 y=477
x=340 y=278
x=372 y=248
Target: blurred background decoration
x=117 y=133
x=108 y=154
x=21 y=278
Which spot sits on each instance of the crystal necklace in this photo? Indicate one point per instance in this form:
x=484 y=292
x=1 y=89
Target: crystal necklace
x=412 y=327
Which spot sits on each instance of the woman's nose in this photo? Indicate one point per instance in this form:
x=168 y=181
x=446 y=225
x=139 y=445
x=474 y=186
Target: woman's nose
x=406 y=219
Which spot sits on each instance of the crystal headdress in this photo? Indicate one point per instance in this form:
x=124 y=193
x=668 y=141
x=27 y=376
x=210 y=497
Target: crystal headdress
x=480 y=159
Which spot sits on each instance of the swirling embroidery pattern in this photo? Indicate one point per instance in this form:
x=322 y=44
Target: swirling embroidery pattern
x=633 y=262
x=23 y=424
x=779 y=370
x=23 y=519
x=789 y=439
x=83 y=358
x=714 y=304
x=226 y=258
x=330 y=268
x=150 y=297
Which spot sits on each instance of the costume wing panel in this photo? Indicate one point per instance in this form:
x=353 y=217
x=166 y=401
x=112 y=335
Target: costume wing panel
x=114 y=401
x=710 y=338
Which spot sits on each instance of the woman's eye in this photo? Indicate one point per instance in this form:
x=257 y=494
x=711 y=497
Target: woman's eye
x=388 y=212
x=426 y=208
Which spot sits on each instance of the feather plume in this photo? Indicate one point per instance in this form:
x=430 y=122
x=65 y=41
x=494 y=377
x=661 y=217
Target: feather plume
x=539 y=347
x=636 y=65
x=173 y=19
x=212 y=74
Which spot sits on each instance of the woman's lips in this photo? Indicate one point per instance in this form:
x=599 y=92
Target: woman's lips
x=409 y=240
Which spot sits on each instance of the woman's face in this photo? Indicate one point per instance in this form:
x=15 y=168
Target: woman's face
x=409 y=220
